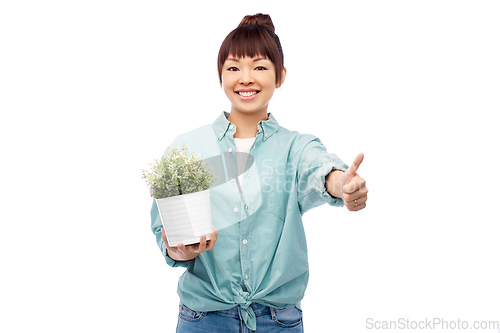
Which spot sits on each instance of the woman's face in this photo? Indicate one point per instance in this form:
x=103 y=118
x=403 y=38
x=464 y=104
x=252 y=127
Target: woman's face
x=249 y=83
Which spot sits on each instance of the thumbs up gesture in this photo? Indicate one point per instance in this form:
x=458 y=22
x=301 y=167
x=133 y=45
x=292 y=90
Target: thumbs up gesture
x=349 y=186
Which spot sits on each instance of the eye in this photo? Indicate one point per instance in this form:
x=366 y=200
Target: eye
x=260 y=68
x=232 y=69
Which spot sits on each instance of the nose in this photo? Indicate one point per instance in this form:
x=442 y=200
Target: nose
x=246 y=77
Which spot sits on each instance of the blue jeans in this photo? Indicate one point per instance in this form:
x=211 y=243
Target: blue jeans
x=269 y=320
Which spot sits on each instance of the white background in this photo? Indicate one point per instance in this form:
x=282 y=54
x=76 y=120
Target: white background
x=93 y=91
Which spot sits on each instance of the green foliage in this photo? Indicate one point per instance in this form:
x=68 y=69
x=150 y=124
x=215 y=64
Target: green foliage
x=177 y=174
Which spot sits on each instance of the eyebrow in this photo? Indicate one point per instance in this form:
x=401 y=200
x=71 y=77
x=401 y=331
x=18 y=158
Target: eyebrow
x=255 y=60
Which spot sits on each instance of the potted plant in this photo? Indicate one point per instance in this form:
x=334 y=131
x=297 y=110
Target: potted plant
x=180 y=186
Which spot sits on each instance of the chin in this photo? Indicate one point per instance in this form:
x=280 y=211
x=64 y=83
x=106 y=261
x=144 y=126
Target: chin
x=247 y=110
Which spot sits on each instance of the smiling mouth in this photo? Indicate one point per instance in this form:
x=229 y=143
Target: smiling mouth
x=247 y=93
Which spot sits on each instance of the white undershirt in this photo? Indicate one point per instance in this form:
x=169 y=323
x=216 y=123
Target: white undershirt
x=242 y=145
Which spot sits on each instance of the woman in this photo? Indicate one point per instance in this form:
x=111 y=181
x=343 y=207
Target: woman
x=252 y=273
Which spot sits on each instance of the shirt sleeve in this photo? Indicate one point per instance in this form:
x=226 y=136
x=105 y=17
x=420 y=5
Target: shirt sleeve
x=315 y=163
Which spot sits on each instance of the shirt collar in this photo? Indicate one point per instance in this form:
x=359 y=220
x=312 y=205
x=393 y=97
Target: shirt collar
x=268 y=127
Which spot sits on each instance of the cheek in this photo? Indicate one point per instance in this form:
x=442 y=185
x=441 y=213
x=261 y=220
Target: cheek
x=270 y=86
x=228 y=91
x=225 y=87
x=271 y=82
x=227 y=84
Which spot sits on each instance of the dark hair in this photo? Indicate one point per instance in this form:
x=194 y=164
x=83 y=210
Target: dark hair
x=254 y=36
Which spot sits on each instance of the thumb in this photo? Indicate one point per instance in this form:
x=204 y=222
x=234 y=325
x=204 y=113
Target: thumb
x=351 y=172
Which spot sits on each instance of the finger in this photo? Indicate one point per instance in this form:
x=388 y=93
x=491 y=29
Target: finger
x=351 y=171
x=216 y=234
x=213 y=239
x=182 y=248
x=203 y=244
x=358 y=207
x=356 y=183
x=352 y=201
x=356 y=195
x=211 y=242
x=358 y=201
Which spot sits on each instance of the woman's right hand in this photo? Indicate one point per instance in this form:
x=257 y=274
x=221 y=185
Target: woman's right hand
x=183 y=252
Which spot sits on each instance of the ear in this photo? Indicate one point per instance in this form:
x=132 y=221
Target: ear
x=283 y=75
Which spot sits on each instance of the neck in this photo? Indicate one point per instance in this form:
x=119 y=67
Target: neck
x=246 y=123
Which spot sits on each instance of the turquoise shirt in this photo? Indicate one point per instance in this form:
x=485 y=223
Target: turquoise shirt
x=261 y=253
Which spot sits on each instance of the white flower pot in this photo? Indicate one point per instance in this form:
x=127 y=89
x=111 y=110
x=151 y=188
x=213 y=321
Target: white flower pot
x=186 y=217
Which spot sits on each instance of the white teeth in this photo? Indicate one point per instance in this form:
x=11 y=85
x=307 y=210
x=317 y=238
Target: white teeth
x=247 y=93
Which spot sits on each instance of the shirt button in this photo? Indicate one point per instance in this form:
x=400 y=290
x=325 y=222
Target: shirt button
x=230 y=150
x=245 y=242
x=235 y=209
x=220 y=134
x=246 y=277
x=248 y=177
x=230 y=126
x=265 y=135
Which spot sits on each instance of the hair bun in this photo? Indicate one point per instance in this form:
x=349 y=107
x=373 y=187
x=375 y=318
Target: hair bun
x=258 y=19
